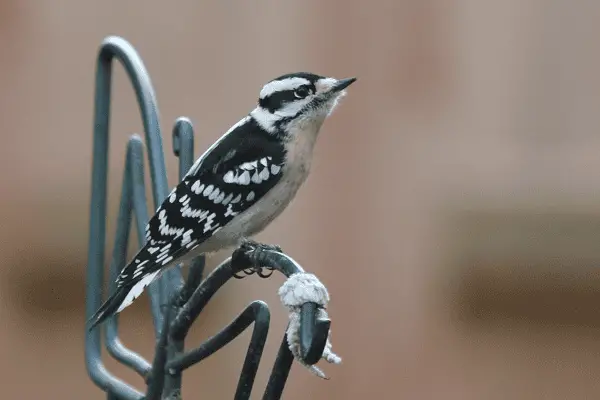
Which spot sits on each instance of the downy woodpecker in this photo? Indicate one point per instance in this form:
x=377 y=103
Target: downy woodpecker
x=238 y=186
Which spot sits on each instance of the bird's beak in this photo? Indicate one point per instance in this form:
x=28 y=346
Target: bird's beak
x=342 y=84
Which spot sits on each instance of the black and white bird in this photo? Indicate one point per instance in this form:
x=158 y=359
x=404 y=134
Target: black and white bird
x=238 y=186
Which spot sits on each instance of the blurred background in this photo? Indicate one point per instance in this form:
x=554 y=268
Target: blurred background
x=453 y=210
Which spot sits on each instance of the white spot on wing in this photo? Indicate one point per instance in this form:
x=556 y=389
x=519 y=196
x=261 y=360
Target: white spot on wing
x=244 y=178
x=264 y=174
x=247 y=166
x=250 y=196
x=187 y=237
x=275 y=169
x=208 y=190
x=230 y=211
x=190 y=212
x=208 y=225
x=165 y=229
x=227 y=199
x=166 y=247
x=256 y=177
x=203 y=216
x=139 y=269
x=197 y=187
x=161 y=256
x=229 y=177
x=214 y=194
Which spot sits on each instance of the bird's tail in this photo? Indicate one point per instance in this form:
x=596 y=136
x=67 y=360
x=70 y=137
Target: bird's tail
x=109 y=308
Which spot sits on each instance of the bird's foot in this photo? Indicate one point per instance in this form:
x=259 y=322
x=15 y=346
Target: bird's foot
x=260 y=271
x=241 y=256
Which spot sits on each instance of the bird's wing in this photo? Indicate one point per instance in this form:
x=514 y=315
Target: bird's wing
x=205 y=201
x=231 y=176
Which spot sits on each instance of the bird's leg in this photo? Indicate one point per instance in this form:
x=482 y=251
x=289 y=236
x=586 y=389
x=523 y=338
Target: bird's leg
x=242 y=255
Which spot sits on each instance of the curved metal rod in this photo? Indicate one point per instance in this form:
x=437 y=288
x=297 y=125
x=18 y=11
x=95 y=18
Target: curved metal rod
x=257 y=312
x=280 y=372
x=313 y=333
x=156 y=380
x=115 y=47
x=183 y=144
x=133 y=191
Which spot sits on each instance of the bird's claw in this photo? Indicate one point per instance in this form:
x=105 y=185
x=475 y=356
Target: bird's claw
x=258 y=270
x=242 y=256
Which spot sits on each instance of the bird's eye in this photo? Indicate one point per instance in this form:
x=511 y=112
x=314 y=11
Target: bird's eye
x=301 y=92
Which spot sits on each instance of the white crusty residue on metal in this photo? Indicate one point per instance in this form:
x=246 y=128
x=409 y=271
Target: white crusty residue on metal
x=298 y=289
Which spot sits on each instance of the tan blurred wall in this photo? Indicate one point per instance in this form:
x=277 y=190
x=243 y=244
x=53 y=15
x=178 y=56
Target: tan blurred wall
x=459 y=105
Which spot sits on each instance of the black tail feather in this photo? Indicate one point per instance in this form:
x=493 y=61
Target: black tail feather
x=108 y=309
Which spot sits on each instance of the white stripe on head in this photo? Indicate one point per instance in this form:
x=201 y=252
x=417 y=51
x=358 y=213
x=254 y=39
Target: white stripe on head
x=280 y=85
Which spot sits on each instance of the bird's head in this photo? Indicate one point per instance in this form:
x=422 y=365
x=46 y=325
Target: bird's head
x=298 y=100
